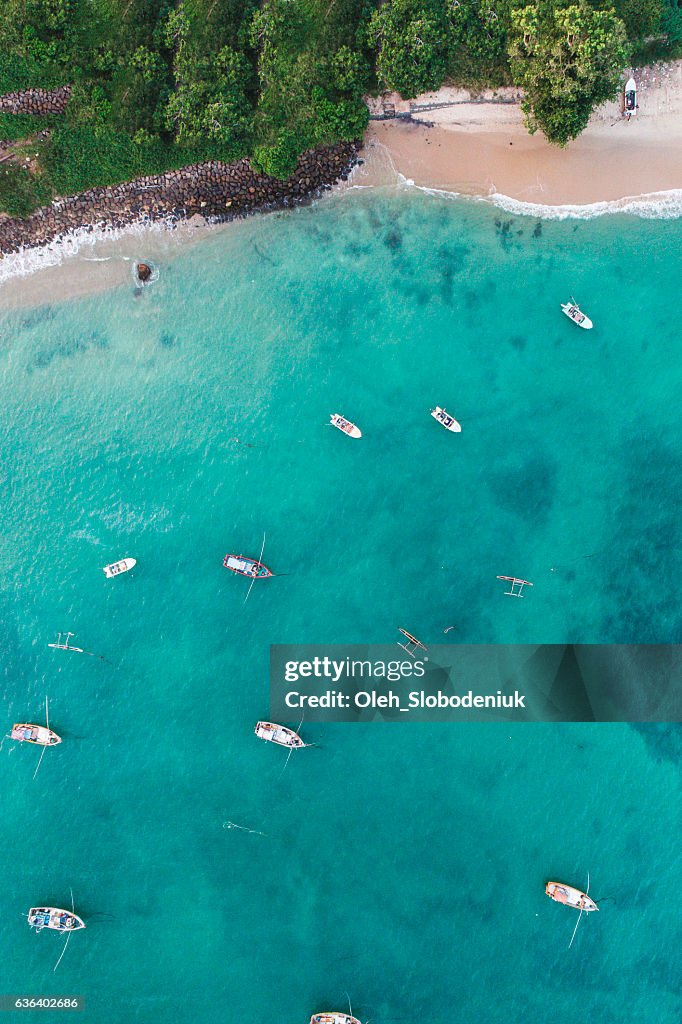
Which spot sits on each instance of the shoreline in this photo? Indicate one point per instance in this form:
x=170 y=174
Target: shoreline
x=455 y=142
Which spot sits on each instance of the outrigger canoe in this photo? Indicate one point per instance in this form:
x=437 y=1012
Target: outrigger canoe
x=333 y=1017
x=116 y=568
x=570 y=896
x=575 y=314
x=54 y=918
x=279 y=734
x=446 y=420
x=244 y=566
x=40 y=734
x=345 y=426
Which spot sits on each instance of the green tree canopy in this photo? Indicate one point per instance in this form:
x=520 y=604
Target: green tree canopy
x=568 y=60
x=411 y=40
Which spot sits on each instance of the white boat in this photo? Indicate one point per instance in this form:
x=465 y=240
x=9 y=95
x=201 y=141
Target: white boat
x=630 y=105
x=570 y=896
x=116 y=568
x=444 y=418
x=575 y=314
x=333 y=1017
x=279 y=734
x=55 y=919
x=344 y=425
x=42 y=735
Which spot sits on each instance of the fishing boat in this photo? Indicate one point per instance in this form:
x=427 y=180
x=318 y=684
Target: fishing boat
x=412 y=644
x=345 y=425
x=570 y=896
x=630 y=106
x=576 y=315
x=55 y=919
x=279 y=734
x=116 y=568
x=333 y=1017
x=243 y=566
x=29 y=733
x=446 y=420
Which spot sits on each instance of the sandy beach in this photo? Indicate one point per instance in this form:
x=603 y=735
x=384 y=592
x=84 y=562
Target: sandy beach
x=480 y=146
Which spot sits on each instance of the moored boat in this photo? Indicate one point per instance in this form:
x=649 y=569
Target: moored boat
x=344 y=425
x=24 y=732
x=243 y=566
x=570 y=896
x=446 y=420
x=333 y=1017
x=630 y=104
x=116 y=568
x=279 y=734
x=55 y=919
x=574 y=313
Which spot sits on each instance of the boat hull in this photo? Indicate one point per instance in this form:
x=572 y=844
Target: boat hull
x=117 y=568
x=630 y=97
x=279 y=734
x=25 y=732
x=55 y=919
x=250 y=567
x=345 y=426
x=446 y=420
x=574 y=314
x=570 y=896
x=333 y=1018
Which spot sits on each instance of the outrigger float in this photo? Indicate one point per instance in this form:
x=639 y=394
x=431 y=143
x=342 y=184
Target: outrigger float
x=116 y=568
x=344 y=425
x=279 y=734
x=446 y=420
x=574 y=313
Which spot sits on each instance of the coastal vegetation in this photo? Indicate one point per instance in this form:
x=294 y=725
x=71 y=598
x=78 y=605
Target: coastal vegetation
x=159 y=84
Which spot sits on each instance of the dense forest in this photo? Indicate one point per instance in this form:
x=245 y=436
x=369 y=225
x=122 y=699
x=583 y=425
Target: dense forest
x=158 y=84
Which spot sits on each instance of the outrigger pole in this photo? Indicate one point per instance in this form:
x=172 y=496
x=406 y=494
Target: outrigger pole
x=66 y=646
x=260 y=559
x=581 y=912
x=514 y=581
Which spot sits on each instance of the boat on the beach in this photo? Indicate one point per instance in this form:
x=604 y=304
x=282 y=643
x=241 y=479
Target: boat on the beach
x=570 y=896
x=630 y=105
x=116 y=568
x=574 y=313
x=444 y=418
x=279 y=734
x=344 y=425
x=244 y=566
x=54 y=918
x=333 y=1017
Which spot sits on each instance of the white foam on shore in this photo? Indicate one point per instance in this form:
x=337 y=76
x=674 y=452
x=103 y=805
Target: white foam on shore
x=80 y=242
x=666 y=205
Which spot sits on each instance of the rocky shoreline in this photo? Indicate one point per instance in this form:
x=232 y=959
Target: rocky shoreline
x=214 y=190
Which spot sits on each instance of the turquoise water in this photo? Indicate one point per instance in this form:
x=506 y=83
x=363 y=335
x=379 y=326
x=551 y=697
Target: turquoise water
x=404 y=866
